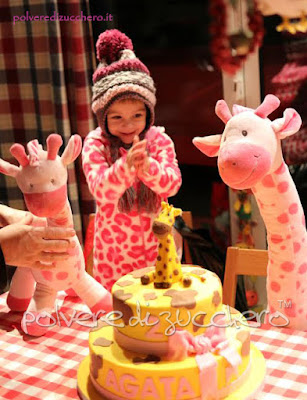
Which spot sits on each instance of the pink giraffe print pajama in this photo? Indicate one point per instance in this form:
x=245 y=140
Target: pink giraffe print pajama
x=125 y=242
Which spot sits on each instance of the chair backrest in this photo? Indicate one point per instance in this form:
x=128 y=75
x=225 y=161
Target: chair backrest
x=242 y=262
x=188 y=219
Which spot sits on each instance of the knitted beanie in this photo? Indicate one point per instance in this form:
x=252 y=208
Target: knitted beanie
x=120 y=74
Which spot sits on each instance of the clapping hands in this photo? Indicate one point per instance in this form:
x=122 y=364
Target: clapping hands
x=137 y=156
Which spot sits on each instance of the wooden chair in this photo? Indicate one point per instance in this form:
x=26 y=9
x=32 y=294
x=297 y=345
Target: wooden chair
x=242 y=262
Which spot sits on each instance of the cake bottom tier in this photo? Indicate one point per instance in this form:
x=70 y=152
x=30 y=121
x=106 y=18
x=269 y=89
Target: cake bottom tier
x=113 y=373
x=250 y=384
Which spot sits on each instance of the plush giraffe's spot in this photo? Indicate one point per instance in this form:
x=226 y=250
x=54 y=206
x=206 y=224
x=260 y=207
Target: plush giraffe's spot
x=283 y=218
x=287 y=266
x=61 y=276
x=293 y=208
x=48 y=275
x=282 y=247
x=280 y=170
x=290 y=311
x=289 y=236
x=273 y=205
x=159 y=273
x=282 y=187
x=302 y=269
x=268 y=182
x=176 y=272
x=275 y=287
x=296 y=247
x=298 y=284
x=281 y=276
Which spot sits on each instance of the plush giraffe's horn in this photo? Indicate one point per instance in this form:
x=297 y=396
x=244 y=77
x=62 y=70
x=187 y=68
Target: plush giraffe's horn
x=269 y=104
x=222 y=111
x=18 y=151
x=54 y=142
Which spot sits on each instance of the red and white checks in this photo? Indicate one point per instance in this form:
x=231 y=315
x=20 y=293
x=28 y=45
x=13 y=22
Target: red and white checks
x=46 y=367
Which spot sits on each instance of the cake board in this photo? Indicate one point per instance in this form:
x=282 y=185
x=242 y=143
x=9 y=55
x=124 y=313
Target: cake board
x=246 y=391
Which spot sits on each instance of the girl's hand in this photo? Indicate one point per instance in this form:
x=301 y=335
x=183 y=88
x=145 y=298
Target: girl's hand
x=137 y=156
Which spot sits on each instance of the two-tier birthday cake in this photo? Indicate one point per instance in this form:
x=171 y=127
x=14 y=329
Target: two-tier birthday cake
x=170 y=337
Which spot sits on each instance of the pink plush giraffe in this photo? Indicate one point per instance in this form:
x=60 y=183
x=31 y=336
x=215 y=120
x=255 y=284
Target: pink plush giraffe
x=250 y=156
x=42 y=177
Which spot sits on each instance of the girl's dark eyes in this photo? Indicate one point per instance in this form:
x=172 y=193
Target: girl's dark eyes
x=116 y=117
x=138 y=115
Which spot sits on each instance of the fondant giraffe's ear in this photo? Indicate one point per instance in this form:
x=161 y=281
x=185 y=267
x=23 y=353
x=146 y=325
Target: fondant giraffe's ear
x=164 y=204
x=177 y=211
x=209 y=145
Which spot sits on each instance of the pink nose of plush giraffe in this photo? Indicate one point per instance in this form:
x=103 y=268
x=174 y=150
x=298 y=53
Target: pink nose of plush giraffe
x=241 y=165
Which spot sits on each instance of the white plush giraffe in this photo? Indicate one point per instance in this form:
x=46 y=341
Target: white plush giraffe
x=42 y=177
x=250 y=156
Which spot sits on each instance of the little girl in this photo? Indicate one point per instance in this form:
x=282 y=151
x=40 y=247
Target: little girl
x=130 y=165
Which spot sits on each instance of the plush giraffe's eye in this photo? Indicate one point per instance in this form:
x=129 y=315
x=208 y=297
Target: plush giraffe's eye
x=52 y=181
x=31 y=185
x=244 y=133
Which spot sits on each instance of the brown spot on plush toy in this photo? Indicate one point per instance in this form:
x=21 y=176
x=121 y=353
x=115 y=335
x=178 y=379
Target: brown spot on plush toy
x=216 y=299
x=102 y=342
x=149 y=359
x=119 y=298
x=96 y=364
x=150 y=296
x=182 y=298
x=244 y=338
x=125 y=283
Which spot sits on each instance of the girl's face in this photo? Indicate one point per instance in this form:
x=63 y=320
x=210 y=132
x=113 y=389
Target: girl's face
x=126 y=119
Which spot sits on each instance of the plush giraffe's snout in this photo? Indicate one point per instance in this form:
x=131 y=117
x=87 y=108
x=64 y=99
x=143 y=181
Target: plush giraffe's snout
x=46 y=204
x=160 y=229
x=242 y=165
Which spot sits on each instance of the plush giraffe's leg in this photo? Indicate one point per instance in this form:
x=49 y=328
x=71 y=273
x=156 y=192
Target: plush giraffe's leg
x=21 y=290
x=95 y=296
x=36 y=320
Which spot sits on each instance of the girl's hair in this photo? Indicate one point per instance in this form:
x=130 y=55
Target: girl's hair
x=144 y=199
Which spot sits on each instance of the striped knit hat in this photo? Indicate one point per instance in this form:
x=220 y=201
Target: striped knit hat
x=120 y=75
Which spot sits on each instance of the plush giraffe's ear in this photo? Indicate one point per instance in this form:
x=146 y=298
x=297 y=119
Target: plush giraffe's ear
x=289 y=124
x=8 y=169
x=208 y=145
x=177 y=211
x=72 y=150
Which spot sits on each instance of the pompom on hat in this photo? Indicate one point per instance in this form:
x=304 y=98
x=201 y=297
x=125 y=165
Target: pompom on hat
x=120 y=74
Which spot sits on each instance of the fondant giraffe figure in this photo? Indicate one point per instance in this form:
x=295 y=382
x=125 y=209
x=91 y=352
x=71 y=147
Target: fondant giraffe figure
x=250 y=156
x=168 y=266
x=42 y=177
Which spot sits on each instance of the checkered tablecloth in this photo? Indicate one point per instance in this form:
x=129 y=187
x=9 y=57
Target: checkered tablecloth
x=45 y=368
